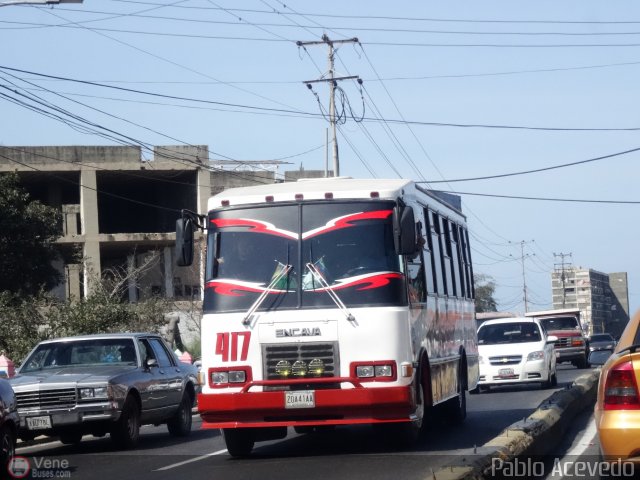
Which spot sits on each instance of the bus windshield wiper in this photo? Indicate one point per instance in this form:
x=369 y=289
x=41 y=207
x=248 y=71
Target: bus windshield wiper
x=270 y=288
x=334 y=296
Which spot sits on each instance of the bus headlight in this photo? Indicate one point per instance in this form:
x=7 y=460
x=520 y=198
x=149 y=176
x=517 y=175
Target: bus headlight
x=299 y=369
x=365 y=371
x=377 y=371
x=230 y=377
x=383 y=371
x=316 y=367
x=283 y=368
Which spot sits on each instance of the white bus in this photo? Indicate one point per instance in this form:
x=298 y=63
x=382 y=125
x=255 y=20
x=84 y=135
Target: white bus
x=333 y=302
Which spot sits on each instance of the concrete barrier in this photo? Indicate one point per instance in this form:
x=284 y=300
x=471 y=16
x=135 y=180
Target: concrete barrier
x=533 y=436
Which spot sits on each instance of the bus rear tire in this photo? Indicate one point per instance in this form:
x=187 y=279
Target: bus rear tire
x=240 y=441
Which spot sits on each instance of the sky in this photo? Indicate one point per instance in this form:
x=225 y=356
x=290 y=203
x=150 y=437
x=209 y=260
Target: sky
x=532 y=104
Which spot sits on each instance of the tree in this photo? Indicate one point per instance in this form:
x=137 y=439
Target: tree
x=485 y=288
x=28 y=230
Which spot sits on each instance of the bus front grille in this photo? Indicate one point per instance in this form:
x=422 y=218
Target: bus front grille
x=303 y=353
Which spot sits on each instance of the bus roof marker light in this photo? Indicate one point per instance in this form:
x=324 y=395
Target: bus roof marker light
x=225 y=203
x=328 y=195
x=268 y=198
x=299 y=197
x=375 y=194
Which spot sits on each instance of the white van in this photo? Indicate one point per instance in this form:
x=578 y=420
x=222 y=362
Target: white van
x=515 y=350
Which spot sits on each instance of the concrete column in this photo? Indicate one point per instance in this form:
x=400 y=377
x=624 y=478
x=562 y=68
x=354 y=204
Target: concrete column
x=89 y=225
x=70 y=215
x=132 y=281
x=168 y=272
x=73 y=281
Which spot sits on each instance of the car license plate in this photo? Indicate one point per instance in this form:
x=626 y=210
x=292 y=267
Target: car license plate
x=38 y=423
x=300 y=399
x=505 y=372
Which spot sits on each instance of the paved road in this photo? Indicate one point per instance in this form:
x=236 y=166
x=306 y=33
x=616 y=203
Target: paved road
x=346 y=452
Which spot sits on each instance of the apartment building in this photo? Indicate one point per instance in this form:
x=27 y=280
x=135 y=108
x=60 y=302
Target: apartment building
x=603 y=298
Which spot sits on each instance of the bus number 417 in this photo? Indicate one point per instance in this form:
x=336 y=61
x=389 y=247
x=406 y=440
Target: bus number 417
x=228 y=345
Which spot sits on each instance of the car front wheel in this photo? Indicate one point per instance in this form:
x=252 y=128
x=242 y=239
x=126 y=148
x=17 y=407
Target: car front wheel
x=7 y=447
x=125 y=433
x=180 y=424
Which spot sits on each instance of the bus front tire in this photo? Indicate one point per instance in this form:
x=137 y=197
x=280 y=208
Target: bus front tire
x=240 y=441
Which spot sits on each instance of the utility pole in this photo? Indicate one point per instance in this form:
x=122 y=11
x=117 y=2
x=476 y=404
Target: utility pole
x=332 y=88
x=563 y=276
x=524 y=278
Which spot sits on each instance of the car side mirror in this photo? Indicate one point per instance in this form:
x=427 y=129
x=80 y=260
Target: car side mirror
x=552 y=339
x=597 y=358
x=150 y=362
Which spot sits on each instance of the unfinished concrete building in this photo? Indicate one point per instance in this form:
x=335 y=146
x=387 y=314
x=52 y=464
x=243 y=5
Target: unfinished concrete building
x=119 y=209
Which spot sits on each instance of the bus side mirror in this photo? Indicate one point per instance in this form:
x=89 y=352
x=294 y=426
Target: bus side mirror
x=184 y=242
x=404 y=230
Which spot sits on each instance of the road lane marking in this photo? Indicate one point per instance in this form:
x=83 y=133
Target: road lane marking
x=585 y=439
x=191 y=460
x=581 y=445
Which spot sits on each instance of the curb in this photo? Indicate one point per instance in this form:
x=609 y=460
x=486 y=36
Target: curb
x=535 y=435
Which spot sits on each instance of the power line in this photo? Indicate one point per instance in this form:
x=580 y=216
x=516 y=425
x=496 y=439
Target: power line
x=316 y=25
x=413 y=19
x=537 y=170
x=318 y=115
x=386 y=79
x=516 y=197
x=79 y=25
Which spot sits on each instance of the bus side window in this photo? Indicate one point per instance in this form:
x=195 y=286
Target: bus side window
x=445 y=251
x=458 y=264
x=464 y=235
x=432 y=284
x=464 y=272
x=416 y=277
x=452 y=253
x=440 y=263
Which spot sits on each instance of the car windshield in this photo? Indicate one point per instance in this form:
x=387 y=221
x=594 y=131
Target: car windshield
x=560 y=323
x=508 y=333
x=81 y=353
x=601 y=337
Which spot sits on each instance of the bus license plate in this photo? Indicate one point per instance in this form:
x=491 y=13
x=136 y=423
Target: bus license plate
x=505 y=372
x=300 y=399
x=38 y=423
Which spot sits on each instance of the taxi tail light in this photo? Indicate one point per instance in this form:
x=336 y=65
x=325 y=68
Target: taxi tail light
x=621 y=389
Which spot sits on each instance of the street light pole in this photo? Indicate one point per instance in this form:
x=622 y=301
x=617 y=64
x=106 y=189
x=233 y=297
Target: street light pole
x=37 y=2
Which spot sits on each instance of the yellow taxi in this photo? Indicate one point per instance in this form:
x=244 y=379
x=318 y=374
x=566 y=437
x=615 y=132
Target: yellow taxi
x=617 y=409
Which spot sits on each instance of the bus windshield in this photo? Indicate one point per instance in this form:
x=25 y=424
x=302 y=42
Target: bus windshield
x=295 y=253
